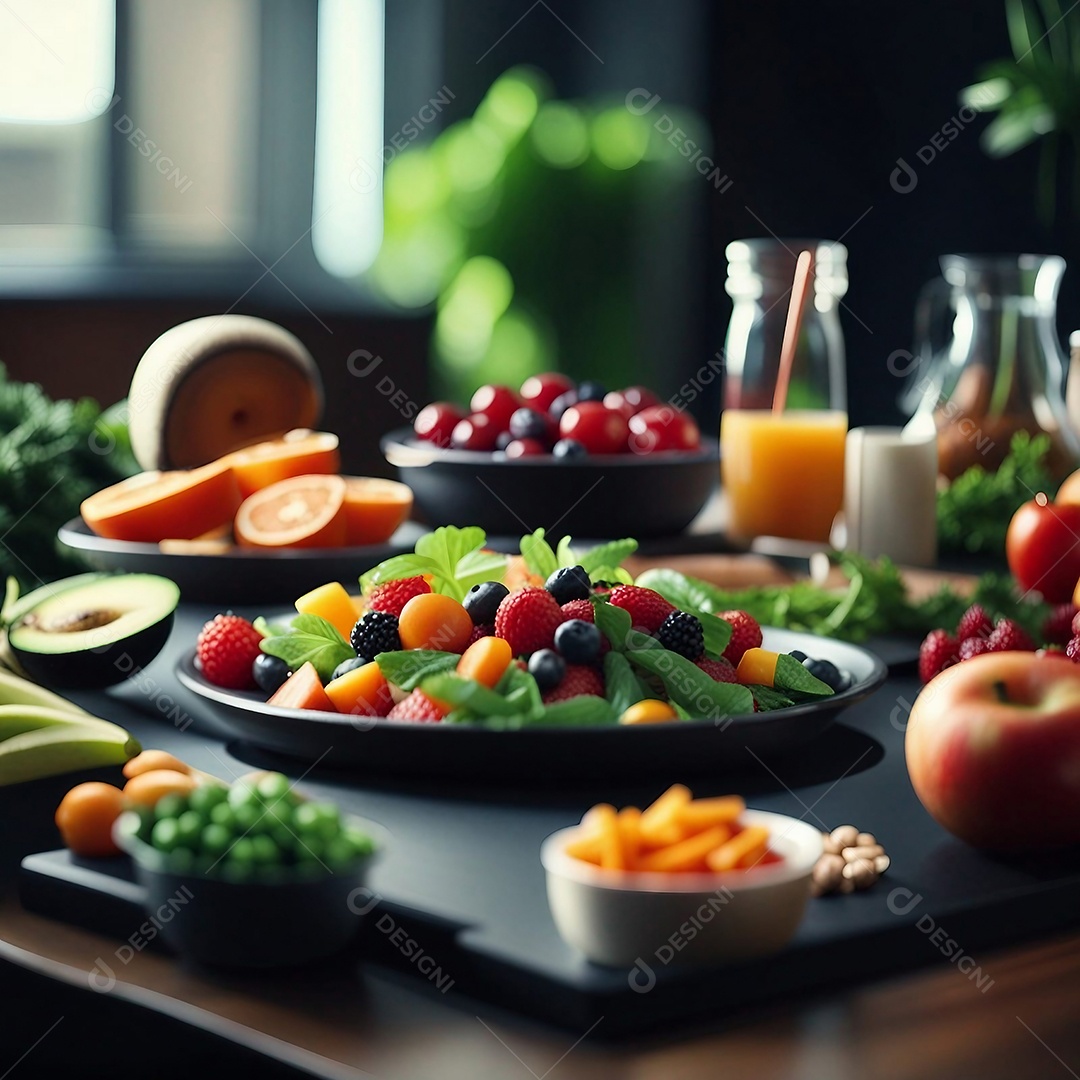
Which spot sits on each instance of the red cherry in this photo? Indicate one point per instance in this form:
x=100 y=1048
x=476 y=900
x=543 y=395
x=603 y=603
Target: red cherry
x=539 y=391
x=633 y=398
x=661 y=427
x=519 y=448
x=436 y=422
x=600 y=430
x=614 y=400
x=475 y=432
x=497 y=403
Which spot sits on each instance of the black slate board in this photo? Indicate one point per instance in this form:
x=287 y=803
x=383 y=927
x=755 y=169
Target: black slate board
x=463 y=877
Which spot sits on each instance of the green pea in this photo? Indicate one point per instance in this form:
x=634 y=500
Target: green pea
x=190 y=825
x=309 y=849
x=243 y=794
x=181 y=860
x=165 y=835
x=265 y=851
x=170 y=806
x=205 y=797
x=223 y=814
x=340 y=853
x=282 y=836
x=146 y=825
x=272 y=787
x=242 y=852
x=362 y=844
x=215 y=838
x=248 y=816
x=317 y=819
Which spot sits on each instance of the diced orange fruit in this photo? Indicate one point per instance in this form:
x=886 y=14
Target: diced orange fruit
x=363 y=691
x=757 y=667
x=333 y=603
x=374 y=509
x=434 y=621
x=155 y=506
x=485 y=660
x=300 y=512
x=731 y=855
x=297 y=453
x=303 y=689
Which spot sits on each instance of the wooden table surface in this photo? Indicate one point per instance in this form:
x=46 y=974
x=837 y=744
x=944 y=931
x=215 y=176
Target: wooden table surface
x=936 y=1024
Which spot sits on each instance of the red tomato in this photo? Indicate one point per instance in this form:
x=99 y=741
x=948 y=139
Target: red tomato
x=436 y=422
x=519 y=448
x=661 y=427
x=1043 y=548
x=475 y=432
x=497 y=403
x=539 y=391
x=600 y=430
x=631 y=400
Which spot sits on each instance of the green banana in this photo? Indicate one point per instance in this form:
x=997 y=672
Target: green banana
x=62 y=748
x=17 y=719
x=17 y=691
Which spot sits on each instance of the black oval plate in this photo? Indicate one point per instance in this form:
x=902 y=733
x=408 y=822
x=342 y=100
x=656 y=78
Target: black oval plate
x=454 y=750
x=241 y=576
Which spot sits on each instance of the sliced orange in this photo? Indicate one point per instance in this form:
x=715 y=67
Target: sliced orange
x=155 y=506
x=300 y=512
x=374 y=509
x=297 y=453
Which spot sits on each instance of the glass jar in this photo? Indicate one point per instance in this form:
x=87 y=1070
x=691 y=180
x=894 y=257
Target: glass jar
x=760 y=275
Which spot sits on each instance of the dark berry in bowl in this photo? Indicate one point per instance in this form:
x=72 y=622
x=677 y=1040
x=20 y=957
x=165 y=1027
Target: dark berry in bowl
x=547 y=667
x=682 y=633
x=569 y=448
x=528 y=424
x=569 y=583
x=578 y=641
x=482 y=601
x=591 y=390
x=269 y=672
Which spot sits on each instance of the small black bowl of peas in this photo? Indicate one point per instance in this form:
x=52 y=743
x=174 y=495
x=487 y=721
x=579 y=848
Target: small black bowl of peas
x=252 y=874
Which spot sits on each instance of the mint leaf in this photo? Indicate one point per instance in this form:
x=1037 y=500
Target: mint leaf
x=564 y=553
x=608 y=556
x=408 y=668
x=623 y=688
x=717 y=632
x=396 y=568
x=538 y=556
x=687 y=684
x=791 y=675
x=612 y=573
x=613 y=622
x=468 y=694
x=769 y=698
x=476 y=567
x=269 y=629
x=584 y=711
x=311 y=640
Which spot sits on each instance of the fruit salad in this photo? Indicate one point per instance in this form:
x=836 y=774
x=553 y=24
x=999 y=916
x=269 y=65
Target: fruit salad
x=551 y=415
x=456 y=634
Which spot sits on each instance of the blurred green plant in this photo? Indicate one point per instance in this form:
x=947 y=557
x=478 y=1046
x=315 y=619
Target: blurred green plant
x=520 y=225
x=1036 y=94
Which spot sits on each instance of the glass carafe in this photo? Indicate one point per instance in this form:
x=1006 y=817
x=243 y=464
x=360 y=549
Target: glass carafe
x=1003 y=369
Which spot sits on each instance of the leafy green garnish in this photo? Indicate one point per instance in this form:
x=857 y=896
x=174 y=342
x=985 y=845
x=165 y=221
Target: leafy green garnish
x=792 y=676
x=613 y=622
x=468 y=694
x=768 y=698
x=311 y=639
x=607 y=556
x=269 y=629
x=584 y=711
x=408 y=668
x=601 y=563
x=538 y=556
x=623 y=687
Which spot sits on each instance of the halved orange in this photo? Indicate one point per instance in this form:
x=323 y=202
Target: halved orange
x=300 y=512
x=374 y=508
x=155 y=506
x=297 y=453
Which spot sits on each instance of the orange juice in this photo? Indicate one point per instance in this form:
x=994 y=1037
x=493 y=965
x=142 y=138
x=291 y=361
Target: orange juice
x=783 y=473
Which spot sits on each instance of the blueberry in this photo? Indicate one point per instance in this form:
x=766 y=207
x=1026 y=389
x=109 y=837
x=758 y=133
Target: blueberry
x=504 y=440
x=562 y=403
x=349 y=665
x=547 y=667
x=569 y=583
x=483 y=600
x=578 y=641
x=797 y=654
x=825 y=670
x=528 y=424
x=269 y=672
x=845 y=683
x=569 y=448
x=591 y=390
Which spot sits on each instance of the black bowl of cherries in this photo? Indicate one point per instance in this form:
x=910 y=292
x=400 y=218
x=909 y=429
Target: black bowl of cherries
x=593 y=463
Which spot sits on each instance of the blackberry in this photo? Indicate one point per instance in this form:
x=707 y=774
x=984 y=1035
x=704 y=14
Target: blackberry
x=568 y=583
x=683 y=634
x=374 y=633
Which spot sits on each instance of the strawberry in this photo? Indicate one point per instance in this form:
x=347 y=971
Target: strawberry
x=480 y=631
x=647 y=609
x=578 y=609
x=938 y=651
x=717 y=670
x=419 y=708
x=225 y=650
x=974 y=623
x=1058 y=628
x=392 y=596
x=579 y=679
x=745 y=634
x=974 y=646
x=1010 y=637
x=1072 y=650
x=527 y=619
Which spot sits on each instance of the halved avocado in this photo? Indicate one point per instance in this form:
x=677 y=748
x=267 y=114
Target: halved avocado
x=96 y=634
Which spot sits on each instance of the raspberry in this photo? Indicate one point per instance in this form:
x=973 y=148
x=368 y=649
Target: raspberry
x=480 y=631
x=1058 y=628
x=974 y=623
x=578 y=609
x=225 y=649
x=375 y=632
x=1072 y=650
x=578 y=680
x=418 y=708
x=392 y=596
x=745 y=634
x=974 y=646
x=683 y=634
x=527 y=619
x=717 y=670
x=1009 y=637
x=938 y=651
x=647 y=609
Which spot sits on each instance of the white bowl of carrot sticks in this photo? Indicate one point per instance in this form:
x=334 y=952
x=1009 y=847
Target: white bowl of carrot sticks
x=683 y=881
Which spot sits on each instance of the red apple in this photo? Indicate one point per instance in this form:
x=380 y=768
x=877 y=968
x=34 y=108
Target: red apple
x=993 y=751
